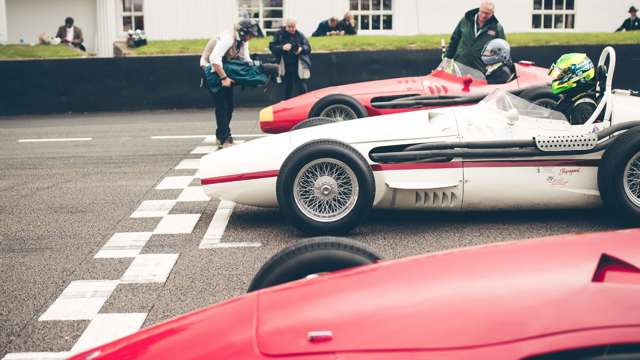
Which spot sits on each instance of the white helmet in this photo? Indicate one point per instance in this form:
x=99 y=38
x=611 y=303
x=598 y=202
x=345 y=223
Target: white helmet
x=496 y=51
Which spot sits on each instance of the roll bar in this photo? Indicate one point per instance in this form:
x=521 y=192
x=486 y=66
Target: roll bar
x=605 y=103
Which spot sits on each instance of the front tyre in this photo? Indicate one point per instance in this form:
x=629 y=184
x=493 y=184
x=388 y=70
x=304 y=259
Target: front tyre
x=325 y=187
x=340 y=107
x=619 y=176
x=311 y=122
x=310 y=257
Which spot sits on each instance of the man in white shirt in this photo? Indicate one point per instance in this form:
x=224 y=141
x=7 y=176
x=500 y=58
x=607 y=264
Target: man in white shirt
x=70 y=34
x=230 y=45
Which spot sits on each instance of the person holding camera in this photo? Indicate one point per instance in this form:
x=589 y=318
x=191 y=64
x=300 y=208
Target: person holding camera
x=292 y=51
x=230 y=45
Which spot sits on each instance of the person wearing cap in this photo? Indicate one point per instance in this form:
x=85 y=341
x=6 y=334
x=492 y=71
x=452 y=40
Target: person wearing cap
x=328 y=28
x=632 y=23
x=474 y=31
x=232 y=44
x=70 y=34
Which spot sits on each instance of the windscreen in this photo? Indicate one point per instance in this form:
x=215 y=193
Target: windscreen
x=460 y=70
x=504 y=102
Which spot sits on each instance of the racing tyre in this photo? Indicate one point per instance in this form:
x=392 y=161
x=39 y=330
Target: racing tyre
x=582 y=111
x=339 y=107
x=312 y=122
x=619 y=177
x=541 y=96
x=309 y=257
x=325 y=187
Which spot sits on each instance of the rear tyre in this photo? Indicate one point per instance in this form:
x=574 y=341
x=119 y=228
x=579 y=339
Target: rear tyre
x=325 y=187
x=313 y=122
x=312 y=256
x=541 y=96
x=582 y=111
x=619 y=177
x=339 y=107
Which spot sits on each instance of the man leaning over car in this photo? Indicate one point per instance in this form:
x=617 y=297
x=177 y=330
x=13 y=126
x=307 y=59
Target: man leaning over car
x=474 y=31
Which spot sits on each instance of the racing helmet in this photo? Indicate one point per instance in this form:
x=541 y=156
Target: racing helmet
x=247 y=28
x=571 y=70
x=496 y=51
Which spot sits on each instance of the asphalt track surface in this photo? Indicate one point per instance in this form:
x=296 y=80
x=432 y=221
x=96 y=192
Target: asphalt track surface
x=62 y=201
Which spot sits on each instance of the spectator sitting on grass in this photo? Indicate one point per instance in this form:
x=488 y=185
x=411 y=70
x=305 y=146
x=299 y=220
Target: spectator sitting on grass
x=348 y=24
x=632 y=23
x=69 y=34
x=328 y=28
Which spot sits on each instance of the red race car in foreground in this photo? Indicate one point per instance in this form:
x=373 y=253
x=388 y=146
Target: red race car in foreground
x=450 y=84
x=562 y=297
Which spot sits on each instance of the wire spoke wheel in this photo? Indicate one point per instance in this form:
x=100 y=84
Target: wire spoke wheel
x=632 y=179
x=325 y=190
x=339 y=112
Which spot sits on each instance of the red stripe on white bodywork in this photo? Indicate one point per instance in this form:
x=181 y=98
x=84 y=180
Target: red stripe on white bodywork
x=423 y=166
x=240 y=177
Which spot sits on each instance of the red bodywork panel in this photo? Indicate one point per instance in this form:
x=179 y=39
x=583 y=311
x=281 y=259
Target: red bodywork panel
x=503 y=301
x=290 y=112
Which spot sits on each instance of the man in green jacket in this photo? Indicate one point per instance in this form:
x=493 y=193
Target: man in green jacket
x=474 y=31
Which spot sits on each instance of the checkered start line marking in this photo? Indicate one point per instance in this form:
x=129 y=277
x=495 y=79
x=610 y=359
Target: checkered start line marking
x=83 y=299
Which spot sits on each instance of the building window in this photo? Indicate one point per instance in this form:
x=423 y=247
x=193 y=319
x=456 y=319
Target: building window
x=553 y=14
x=372 y=15
x=132 y=15
x=268 y=13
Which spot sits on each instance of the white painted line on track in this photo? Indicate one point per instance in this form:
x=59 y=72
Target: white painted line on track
x=81 y=300
x=105 y=328
x=230 y=245
x=193 y=193
x=149 y=268
x=172 y=137
x=174 y=182
x=123 y=245
x=189 y=164
x=208 y=138
x=37 y=356
x=205 y=149
x=212 y=139
x=217 y=226
x=177 y=224
x=153 y=208
x=54 y=140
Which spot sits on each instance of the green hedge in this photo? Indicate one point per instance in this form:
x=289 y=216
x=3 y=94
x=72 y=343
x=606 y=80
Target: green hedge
x=10 y=52
x=341 y=43
x=391 y=42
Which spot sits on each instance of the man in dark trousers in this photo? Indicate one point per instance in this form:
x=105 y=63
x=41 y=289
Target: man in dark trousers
x=632 y=23
x=69 y=34
x=474 y=31
x=232 y=44
x=291 y=49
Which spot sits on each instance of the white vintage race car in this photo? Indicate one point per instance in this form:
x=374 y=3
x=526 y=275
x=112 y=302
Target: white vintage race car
x=503 y=153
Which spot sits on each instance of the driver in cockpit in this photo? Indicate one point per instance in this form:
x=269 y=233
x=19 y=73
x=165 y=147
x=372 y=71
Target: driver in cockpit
x=497 y=58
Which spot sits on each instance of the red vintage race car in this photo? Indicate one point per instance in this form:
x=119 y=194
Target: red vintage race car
x=563 y=297
x=450 y=84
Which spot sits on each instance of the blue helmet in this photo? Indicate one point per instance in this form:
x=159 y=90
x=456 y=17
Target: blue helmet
x=496 y=51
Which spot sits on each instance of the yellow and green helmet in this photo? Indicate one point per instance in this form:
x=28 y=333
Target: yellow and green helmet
x=570 y=70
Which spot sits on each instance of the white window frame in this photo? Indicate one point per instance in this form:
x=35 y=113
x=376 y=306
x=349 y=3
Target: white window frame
x=553 y=12
x=130 y=14
x=380 y=12
x=261 y=19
